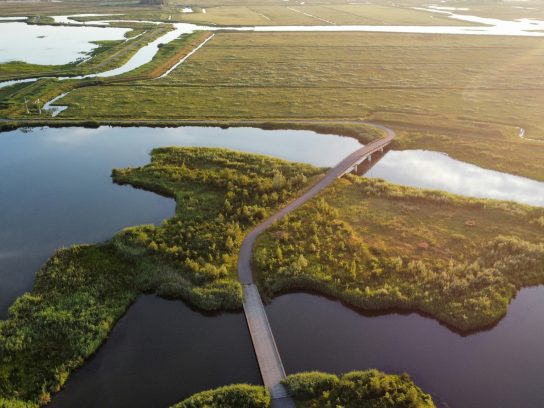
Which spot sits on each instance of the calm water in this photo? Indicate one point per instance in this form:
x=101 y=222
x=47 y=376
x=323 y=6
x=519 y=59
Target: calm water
x=159 y=353
x=55 y=186
x=79 y=37
x=51 y=45
x=497 y=368
x=55 y=190
x=426 y=169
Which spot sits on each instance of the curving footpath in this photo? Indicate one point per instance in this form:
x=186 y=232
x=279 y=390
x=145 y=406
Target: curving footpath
x=268 y=357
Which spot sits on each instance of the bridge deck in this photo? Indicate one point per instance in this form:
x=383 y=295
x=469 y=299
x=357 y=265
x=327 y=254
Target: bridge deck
x=268 y=357
x=267 y=353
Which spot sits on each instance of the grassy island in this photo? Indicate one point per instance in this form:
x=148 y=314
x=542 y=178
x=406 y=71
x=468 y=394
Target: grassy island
x=366 y=389
x=82 y=291
x=379 y=246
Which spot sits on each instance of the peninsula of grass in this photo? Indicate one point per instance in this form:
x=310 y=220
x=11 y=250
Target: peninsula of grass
x=380 y=247
x=107 y=55
x=82 y=291
x=365 y=389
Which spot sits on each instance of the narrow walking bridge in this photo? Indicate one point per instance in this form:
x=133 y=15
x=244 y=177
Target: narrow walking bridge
x=268 y=356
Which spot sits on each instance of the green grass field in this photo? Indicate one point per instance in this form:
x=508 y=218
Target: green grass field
x=293 y=13
x=467 y=96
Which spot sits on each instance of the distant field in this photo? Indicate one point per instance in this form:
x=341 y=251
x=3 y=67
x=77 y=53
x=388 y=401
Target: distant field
x=506 y=10
x=466 y=96
x=293 y=13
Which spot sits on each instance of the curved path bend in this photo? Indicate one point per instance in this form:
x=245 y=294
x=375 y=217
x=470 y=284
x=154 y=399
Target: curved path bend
x=267 y=353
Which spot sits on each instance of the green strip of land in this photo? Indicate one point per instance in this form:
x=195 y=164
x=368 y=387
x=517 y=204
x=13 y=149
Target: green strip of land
x=108 y=55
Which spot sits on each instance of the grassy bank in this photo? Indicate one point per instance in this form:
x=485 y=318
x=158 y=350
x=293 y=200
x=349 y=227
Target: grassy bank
x=82 y=291
x=238 y=395
x=370 y=389
x=12 y=99
x=467 y=96
x=107 y=55
x=379 y=246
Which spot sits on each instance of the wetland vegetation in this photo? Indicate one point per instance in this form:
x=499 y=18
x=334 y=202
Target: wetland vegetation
x=369 y=388
x=379 y=246
x=373 y=245
x=81 y=291
x=107 y=55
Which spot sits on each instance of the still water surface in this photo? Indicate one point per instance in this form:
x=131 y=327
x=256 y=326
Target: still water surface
x=497 y=368
x=51 y=45
x=55 y=190
x=159 y=353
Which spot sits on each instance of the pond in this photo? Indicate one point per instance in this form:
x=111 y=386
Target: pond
x=56 y=191
x=159 y=353
x=427 y=169
x=501 y=367
x=51 y=45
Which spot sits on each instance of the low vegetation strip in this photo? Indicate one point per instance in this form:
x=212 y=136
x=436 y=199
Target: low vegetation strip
x=378 y=246
x=365 y=389
x=12 y=99
x=231 y=396
x=81 y=292
x=108 y=55
x=462 y=95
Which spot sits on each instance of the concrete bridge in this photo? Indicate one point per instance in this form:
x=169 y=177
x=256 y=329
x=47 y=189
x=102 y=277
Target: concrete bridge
x=268 y=356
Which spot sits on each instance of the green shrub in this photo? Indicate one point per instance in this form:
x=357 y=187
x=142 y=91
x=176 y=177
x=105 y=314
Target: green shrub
x=231 y=396
x=366 y=389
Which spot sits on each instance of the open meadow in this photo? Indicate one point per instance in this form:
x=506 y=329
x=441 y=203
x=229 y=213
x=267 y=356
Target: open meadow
x=467 y=96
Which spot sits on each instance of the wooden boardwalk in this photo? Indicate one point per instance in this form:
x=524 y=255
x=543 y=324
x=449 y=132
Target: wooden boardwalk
x=268 y=356
x=266 y=350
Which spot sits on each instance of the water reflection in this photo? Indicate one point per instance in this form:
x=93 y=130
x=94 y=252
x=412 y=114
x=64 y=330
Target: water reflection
x=497 y=368
x=55 y=186
x=158 y=354
x=51 y=45
x=427 y=169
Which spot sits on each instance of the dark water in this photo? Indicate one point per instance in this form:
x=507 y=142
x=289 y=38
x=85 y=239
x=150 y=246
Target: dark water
x=503 y=367
x=159 y=353
x=55 y=190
